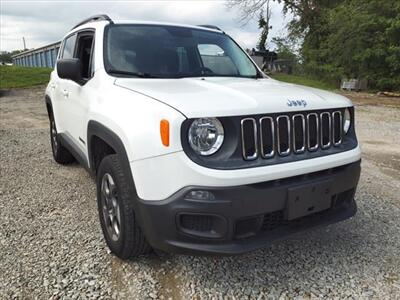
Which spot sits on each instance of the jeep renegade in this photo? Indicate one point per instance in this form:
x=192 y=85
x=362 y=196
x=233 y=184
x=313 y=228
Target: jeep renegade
x=194 y=149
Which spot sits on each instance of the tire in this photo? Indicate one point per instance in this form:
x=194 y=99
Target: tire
x=60 y=154
x=115 y=197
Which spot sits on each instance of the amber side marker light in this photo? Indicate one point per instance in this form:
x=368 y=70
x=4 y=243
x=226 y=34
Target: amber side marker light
x=164 y=132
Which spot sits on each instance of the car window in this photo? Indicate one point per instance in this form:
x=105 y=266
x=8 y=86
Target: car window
x=84 y=52
x=173 y=52
x=215 y=59
x=69 y=47
x=183 y=60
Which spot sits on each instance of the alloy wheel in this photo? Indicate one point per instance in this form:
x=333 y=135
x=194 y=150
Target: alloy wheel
x=110 y=207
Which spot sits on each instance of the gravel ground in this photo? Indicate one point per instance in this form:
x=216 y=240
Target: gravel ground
x=51 y=244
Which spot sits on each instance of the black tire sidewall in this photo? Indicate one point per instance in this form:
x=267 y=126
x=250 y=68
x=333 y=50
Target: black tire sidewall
x=53 y=123
x=131 y=241
x=106 y=166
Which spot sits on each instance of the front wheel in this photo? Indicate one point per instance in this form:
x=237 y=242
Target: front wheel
x=115 y=198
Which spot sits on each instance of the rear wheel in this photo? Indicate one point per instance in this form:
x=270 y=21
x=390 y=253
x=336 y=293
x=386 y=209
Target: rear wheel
x=115 y=198
x=60 y=153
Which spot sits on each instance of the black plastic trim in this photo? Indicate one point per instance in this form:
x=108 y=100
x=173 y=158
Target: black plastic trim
x=47 y=99
x=229 y=156
x=236 y=203
x=108 y=136
x=68 y=143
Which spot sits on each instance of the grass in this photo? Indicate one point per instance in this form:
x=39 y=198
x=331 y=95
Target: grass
x=17 y=77
x=303 y=80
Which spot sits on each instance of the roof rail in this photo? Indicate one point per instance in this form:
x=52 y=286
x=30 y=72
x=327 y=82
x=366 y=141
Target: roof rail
x=94 y=19
x=211 y=27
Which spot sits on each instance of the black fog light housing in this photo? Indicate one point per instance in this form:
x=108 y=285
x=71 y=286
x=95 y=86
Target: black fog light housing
x=201 y=225
x=200 y=195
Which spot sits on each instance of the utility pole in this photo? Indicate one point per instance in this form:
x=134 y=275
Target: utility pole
x=23 y=39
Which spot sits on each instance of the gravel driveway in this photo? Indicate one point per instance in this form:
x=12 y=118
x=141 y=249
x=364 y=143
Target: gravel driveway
x=51 y=244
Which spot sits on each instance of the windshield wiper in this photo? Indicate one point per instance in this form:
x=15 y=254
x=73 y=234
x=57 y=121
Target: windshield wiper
x=219 y=75
x=136 y=74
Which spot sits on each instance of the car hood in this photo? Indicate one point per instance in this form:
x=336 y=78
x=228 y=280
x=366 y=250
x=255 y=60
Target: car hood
x=223 y=96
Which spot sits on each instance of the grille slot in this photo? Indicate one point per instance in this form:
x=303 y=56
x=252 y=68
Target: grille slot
x=326 y=130
x=283 y=135
x=337 y=127
x=290 y=134
x=312 y=131
x=267 y=137
x=299 y=133
x=249 y=138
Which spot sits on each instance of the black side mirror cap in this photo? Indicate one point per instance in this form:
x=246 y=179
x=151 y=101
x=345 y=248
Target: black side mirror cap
x=70 y=68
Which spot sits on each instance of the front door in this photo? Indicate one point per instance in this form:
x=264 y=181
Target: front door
x=77 y=94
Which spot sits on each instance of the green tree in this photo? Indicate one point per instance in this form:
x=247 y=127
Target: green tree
x=344 y=38
x=263 y=24
x=284 y=48
x=6 y=57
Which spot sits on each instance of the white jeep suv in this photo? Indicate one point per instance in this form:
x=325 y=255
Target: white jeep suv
x=194 y=149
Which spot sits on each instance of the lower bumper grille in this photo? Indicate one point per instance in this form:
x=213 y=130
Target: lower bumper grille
x=273 y=220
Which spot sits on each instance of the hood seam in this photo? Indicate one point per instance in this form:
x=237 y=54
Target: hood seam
x=158 y=100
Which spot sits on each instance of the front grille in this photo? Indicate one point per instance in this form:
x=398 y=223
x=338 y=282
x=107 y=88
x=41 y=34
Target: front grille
x=283 y=134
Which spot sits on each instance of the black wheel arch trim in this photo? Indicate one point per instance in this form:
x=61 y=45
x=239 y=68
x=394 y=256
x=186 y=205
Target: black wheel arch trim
x=48 y=103
x=76 y=152
x=96 y=129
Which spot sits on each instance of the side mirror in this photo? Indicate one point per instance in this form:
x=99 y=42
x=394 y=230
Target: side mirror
x=70 y=68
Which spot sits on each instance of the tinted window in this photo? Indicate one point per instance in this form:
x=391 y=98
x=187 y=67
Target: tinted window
x=69 y=47
x=84 y=53
x=170 y=51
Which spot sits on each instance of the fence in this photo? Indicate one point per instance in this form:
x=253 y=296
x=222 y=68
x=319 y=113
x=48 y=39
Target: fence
x=43 y=57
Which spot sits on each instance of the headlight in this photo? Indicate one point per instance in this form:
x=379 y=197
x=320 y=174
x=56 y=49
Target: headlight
x=347 y=120
x=206 y=135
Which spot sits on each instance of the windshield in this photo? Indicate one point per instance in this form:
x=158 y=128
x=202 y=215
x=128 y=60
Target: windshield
x=173 y=52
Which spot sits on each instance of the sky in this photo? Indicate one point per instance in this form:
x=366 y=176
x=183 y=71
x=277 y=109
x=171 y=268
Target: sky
x=45 y=22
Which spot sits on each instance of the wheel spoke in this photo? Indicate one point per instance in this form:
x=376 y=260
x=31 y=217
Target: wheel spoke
x=115 y=224
x=118 y=214
x=53 y=134
x=111 y=211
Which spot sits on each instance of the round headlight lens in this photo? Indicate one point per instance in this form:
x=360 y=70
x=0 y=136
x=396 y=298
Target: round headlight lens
x=346 y=121
x=206 y=135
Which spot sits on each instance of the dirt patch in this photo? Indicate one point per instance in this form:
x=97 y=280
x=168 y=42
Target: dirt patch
x=20 y=109
x=372 y=99
x=389 y=163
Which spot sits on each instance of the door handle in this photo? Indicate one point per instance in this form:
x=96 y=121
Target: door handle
x=65 y=93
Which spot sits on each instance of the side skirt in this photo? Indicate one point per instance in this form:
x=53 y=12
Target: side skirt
x=68 y=143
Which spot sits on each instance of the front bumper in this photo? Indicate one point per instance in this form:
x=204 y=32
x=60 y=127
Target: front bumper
x=163 y=176
x=247 y=217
